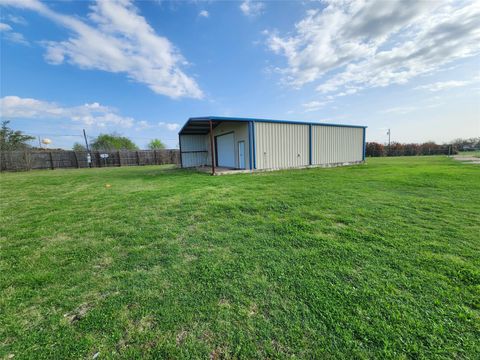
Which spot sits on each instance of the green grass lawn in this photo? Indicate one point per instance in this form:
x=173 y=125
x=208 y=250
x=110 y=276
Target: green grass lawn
x=373 y=261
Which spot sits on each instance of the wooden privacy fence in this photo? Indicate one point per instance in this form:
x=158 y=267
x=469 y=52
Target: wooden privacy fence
x=59 y=159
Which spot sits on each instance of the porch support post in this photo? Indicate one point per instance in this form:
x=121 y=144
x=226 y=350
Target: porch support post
x=212 y=147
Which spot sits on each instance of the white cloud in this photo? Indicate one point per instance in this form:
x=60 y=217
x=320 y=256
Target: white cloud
x=16 y=19
x=252 y=8
x=8 y=34
x=169 y=126
x=5 y=27
x=444 y=85
x=402 y=110
x=93 y=114
x=204 y=13
x=399 y=110
x=314 y=105
x=118 y=39
x=142 y=125
x=353 y=45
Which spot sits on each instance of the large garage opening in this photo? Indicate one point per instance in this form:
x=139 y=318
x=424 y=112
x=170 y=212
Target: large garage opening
x=225 y=150
x=222 y=145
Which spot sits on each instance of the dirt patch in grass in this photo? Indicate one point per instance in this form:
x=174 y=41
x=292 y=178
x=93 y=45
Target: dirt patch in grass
x=78 y=314
x=224 y=303
x=189 y=257
x=467 y=159
x=218 y=353
x=252 y=310
x=181 y=336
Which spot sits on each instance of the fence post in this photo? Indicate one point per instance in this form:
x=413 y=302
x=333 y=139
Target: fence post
x=138 y=157
x=27 y=160
x=155 y=157
x=51 y=161
x=76 y=159
x=119 y=158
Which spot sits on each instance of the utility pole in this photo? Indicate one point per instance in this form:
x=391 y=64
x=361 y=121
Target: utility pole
x=86 y=142
x=89 y=156
x=39 y=142
x=388 y=151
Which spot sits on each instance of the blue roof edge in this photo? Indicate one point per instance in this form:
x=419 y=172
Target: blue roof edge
x=225 y=118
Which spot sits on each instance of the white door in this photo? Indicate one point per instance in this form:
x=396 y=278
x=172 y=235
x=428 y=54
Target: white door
x=241 y=154
x=226 y=150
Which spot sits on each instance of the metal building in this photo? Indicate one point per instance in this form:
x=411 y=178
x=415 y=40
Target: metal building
x=262 y=144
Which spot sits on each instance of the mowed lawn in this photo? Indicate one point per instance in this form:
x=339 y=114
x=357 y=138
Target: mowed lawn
x=378 y=260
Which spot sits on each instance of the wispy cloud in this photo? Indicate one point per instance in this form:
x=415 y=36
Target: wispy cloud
x=354 y=45
x=143 y=125
x=399 y=110
x=5 y=27
x=117 y=39
x=445 y=85
x=314 y=105
x=93 y=114
x=252 y=8
x=8 y=34
x=169 y=126
x=204 y=13
x=19 y=20
x=402 y=110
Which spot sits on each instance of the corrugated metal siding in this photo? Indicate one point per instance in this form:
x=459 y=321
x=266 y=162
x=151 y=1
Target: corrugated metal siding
x=240 y=130
x=334 y=144
x=194 y=150
x=193 y=142
x=194 y=159
x=281 y=145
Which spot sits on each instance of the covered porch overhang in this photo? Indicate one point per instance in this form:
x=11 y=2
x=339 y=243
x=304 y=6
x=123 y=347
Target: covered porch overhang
x=199 y=126
x=205 y=126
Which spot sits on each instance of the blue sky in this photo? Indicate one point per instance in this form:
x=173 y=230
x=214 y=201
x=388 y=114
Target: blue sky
x=142 y=68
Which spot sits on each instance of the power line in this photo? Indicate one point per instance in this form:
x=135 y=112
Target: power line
x=49 y=134
x=93 y=137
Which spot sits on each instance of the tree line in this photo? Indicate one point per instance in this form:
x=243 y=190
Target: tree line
x=112 y=142
x=16 y=140
x=428 y=148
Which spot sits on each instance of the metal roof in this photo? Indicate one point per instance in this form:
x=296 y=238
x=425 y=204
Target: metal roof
x=201 y=125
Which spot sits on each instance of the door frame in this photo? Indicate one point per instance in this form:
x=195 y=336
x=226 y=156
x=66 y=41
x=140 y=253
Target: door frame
x=238 y=155
x=216 y=147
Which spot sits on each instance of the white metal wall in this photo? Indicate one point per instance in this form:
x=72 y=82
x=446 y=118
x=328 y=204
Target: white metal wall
x=281 y=145
x=336 y=144
x=240 y=133
x=194 y=150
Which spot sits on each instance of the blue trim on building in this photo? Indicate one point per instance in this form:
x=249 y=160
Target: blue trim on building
x=310 y=145
x=364 y=143
x=254 y=147
x=223 y=118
